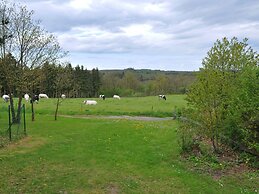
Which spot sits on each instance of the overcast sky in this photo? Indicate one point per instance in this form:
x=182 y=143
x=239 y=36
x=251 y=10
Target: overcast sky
x=145 y=34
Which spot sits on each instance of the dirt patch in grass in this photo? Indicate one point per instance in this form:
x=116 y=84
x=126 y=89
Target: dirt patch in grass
x=227 y=164
x=113 y=189
x=23 y=145
x=233 y=170
x=231 y=165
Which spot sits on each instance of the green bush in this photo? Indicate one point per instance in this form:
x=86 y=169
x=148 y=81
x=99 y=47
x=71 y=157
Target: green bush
x=224 y=98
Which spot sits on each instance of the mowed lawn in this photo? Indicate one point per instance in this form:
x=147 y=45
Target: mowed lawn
x=93 y=155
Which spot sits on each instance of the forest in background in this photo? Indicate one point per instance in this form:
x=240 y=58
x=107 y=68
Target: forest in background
x=79 y=82
x=145 y=82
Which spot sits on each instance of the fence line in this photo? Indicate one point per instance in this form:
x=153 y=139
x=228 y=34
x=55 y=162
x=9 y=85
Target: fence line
x=10 y=131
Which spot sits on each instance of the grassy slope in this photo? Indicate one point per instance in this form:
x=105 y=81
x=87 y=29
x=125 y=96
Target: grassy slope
x=103 y=156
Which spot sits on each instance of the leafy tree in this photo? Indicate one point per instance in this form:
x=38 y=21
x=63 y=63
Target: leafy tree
x=96 y=82
x=110 y=84
x=130 y=82
x=49 y=81
x=161 y=84
x=223 y=99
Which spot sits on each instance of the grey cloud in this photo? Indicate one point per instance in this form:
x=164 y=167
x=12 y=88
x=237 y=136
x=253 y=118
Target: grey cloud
x=221 y=11
x=190 y=27
x=58 y=17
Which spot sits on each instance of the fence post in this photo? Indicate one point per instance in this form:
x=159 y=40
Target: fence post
x=24 y=120
x=10 y=124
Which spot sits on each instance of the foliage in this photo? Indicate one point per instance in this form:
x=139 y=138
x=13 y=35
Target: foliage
x=188 y=131
x=224 y=99
x=28 y=44
x=144 y=82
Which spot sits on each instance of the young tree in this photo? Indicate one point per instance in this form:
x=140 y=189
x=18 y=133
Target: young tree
x=60 y=86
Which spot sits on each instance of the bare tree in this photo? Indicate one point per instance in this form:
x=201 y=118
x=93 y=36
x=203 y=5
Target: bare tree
x=28 y=43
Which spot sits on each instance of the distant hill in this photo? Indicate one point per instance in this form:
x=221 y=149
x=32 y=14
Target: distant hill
x=148 y=74
x=143 y=82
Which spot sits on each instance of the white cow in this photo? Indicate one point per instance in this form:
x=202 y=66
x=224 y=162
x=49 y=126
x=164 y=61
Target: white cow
x=63 y=96
x=90 y=102
x=116 y=97
x=6 y=97
x=43 y=96
x=26 y=97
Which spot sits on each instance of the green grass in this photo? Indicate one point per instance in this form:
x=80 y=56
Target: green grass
x=148 y=106
x=75 y=155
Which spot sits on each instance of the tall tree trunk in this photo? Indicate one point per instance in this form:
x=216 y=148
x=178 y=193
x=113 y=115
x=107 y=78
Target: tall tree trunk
x=12 y=108
x=18 y=114
x=32 y=111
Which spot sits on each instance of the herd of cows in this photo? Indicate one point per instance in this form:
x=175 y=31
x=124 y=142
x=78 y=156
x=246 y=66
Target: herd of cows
x=36 y=98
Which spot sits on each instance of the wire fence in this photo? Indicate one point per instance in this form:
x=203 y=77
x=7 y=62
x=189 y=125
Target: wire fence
x=10 y=131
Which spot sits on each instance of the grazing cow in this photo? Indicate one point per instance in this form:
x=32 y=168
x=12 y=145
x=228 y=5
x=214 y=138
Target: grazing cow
x=102 y=96
x=43 y=96
x=26 y=97
x=116 y=97
x=162 y=97
x=6 y=97
x=90 y=102
x=35 y=98
x=63 y=96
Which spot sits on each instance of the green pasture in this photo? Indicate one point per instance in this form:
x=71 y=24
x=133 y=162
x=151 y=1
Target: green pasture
x=96 y=155
x=148 y=106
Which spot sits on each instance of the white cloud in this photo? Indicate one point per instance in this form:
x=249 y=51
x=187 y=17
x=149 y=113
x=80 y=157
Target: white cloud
x=137 y=30
x=81 y=5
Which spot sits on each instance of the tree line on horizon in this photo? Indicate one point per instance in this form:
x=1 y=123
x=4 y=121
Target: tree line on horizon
x=79 y=82
x=131 y=82
x=54 y=80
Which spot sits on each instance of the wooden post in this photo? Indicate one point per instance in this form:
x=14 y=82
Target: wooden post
x=10 y=124
x=32 y=111
x=24 y=120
